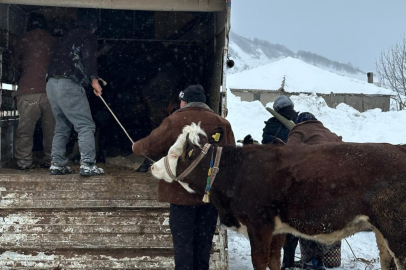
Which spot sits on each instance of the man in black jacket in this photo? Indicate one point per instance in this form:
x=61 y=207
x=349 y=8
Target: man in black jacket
x=73 y=67
x=274 y=131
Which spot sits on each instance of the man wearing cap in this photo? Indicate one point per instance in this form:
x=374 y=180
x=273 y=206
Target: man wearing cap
x=274 y=131
x=31 y=59
x=191 y=221
x=73 y=67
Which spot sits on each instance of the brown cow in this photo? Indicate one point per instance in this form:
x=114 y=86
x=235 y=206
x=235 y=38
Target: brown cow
x=322 y=192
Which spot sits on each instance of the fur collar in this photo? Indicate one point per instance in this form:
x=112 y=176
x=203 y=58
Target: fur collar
x=196 y=105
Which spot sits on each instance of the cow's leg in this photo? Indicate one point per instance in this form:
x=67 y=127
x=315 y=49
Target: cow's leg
x=396 y=247
x=277 y=242
x=260 y=240
x=289 y=250
x=384 y=254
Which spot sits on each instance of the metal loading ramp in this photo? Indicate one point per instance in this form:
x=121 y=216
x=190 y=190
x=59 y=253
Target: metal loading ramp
x=71 y=222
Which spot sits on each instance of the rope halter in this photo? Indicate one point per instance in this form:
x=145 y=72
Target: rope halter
x=214 y=168
x=204 y=151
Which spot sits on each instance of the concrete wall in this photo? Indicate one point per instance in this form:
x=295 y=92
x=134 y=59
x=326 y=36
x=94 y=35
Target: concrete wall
x=360 y=102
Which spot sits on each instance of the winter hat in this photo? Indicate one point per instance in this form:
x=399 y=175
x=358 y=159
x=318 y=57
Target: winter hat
x=282 y=102
x=193 y=93
x=87 y=18
x=36 y=20
x=305 y=116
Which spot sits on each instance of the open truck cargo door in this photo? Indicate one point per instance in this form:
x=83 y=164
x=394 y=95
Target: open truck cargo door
x=149 y=50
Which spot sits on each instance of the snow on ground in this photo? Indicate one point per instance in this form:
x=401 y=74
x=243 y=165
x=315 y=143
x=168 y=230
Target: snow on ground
x=363 y=247
x=370 y=126
x=300 y=77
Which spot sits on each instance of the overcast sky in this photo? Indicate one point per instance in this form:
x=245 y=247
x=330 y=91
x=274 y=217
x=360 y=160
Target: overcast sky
x=353 y=31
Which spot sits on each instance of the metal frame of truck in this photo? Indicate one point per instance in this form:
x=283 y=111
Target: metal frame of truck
x=111 y=222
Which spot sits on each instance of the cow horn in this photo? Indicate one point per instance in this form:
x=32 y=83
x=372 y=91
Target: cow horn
x=287 y=123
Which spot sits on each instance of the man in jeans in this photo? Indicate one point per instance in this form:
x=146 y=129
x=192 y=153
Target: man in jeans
x=31 y=59
x=73 y=67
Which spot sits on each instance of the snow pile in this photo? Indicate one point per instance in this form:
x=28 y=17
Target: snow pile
x=353 y=126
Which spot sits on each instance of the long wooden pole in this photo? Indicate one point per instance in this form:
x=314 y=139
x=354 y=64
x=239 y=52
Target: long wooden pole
x=287 y=123
x=116 y=118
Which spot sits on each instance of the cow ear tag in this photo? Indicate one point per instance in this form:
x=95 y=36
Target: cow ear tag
x=190 y=153
x=216 y=137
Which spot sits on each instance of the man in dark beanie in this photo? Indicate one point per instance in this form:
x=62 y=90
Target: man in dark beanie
x=36 y=20
x=31 y=58
x=192 y=222
x=87 y=19
x=193 y=93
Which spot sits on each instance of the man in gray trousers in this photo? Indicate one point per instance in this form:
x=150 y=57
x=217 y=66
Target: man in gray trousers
x=73 y=67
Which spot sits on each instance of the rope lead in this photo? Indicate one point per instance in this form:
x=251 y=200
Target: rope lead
x=206 y=197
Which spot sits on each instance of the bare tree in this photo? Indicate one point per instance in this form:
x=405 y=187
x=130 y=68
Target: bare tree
x=391 y=68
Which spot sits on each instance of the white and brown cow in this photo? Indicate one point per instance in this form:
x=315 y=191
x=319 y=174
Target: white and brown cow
x=322 y=192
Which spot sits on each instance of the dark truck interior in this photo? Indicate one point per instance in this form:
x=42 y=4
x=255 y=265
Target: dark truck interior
x=146 y=57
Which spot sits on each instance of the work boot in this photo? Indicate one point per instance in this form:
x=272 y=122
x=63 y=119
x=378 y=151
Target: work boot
x=25 y=168
x=90 y=169
x=296 y=265
x=44 y=164
x=144 y=166
x=59 y=170
x=315 y=264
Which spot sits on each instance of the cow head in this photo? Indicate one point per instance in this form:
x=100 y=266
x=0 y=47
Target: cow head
x=192 y=133
x=186 y=149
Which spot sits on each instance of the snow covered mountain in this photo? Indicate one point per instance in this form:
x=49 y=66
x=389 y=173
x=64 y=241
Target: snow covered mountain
x=300 y=76
x=248 y=54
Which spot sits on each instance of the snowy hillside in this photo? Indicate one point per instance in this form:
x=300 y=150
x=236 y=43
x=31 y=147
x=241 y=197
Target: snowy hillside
x=249 y=54
x=300 y=77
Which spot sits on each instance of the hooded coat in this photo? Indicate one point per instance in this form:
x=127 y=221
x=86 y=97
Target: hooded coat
x=311 y=132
